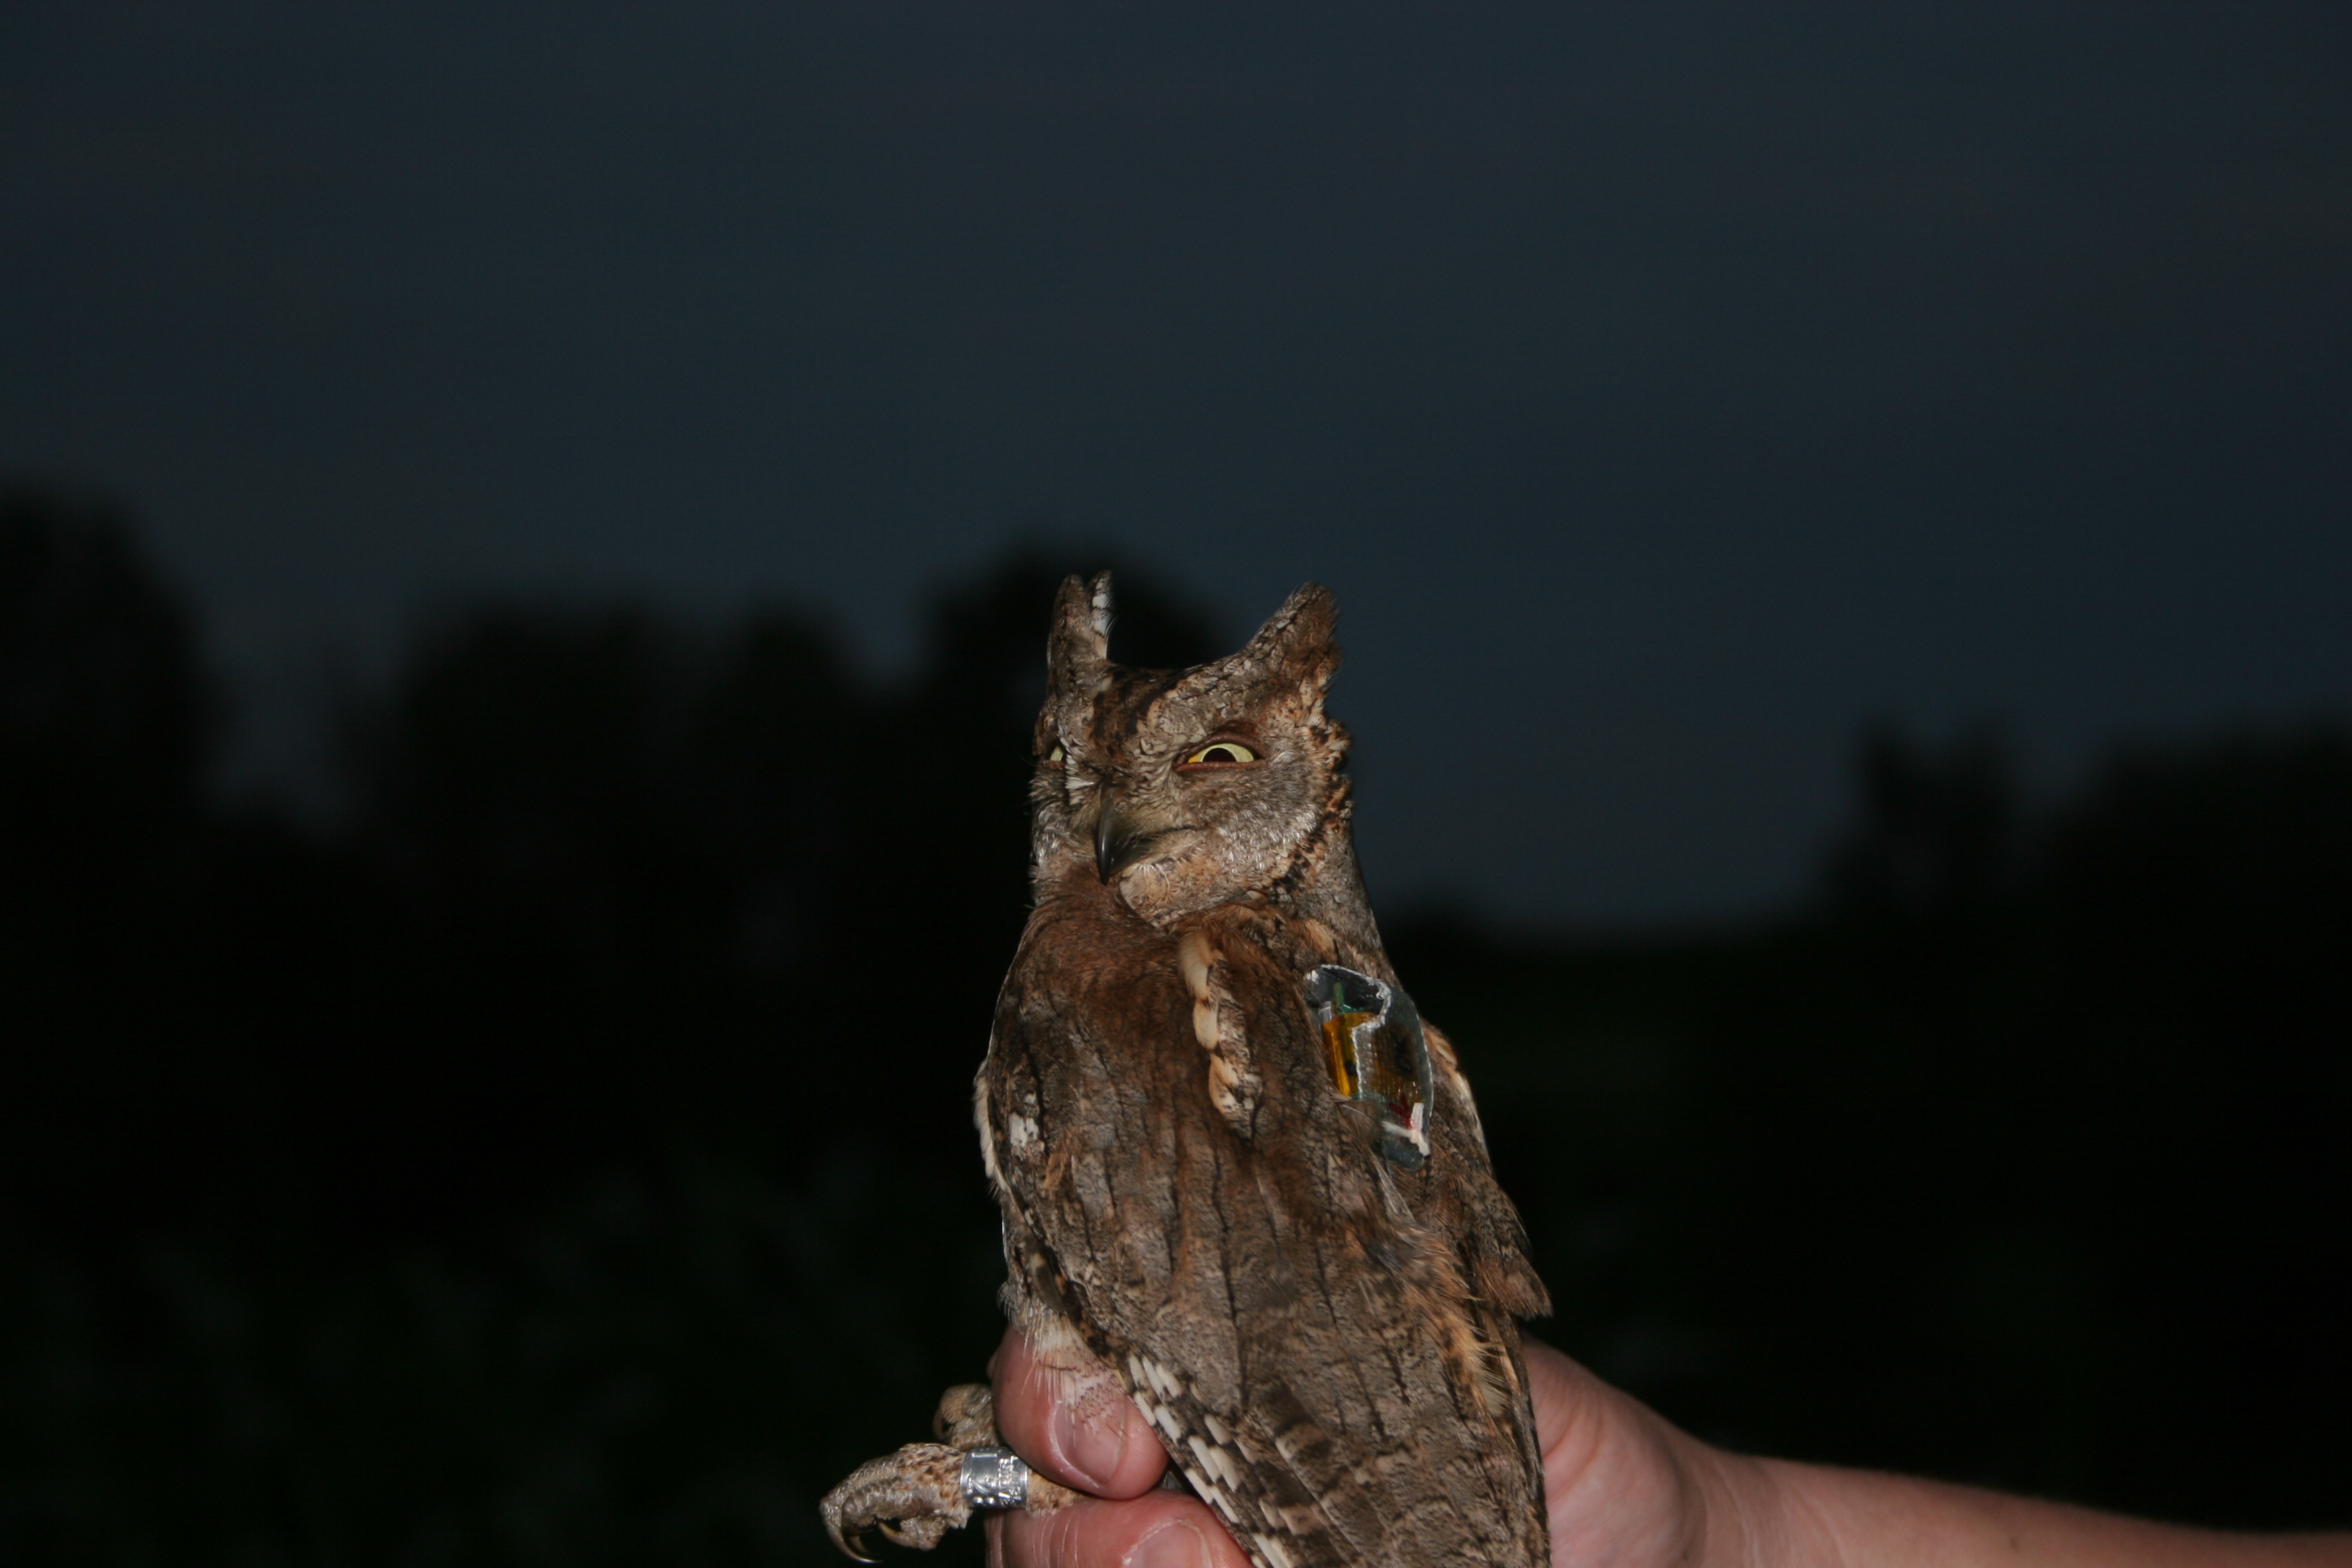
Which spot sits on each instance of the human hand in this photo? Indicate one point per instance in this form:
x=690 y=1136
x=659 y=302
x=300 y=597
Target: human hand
x=1623 y=1487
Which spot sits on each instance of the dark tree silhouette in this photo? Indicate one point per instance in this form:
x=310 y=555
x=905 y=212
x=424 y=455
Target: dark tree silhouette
x=107 y=716
x=106 y=723
x=1938 y=830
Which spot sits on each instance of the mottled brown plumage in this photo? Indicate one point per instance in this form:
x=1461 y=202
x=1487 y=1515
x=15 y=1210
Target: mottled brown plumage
x=1319 y=1323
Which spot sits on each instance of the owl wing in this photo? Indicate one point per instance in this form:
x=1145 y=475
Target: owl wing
x=1294 y=1313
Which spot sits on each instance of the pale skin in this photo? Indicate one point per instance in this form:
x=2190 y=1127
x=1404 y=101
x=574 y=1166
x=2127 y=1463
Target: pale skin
x=1625 y=1489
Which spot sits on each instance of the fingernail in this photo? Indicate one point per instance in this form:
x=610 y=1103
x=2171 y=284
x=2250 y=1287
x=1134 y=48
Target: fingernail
x=1092 y=1436
x=1175 y=1545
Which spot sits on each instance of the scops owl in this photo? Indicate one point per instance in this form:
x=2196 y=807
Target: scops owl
x=1233 y=1164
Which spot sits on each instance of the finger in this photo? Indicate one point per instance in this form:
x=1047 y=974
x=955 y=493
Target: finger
x=1617 y=1480
x=1585 y=1429
x=1159 y=1530
x=1070 y=1417
x=1559 y=1388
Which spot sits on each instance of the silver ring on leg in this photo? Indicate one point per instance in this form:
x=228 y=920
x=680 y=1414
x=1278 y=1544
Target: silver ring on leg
x=994 y=1477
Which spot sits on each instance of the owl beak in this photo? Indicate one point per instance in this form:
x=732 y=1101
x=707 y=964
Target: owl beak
x=1107 y=834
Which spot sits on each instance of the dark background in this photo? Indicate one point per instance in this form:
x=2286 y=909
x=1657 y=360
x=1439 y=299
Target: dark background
x=522 y=575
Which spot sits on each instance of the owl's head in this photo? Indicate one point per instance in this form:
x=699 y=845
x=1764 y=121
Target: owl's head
x=1184 y=789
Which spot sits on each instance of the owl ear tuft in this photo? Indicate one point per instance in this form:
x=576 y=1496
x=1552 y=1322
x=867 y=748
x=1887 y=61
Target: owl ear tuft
x=1296 y=644
x=1077 y=651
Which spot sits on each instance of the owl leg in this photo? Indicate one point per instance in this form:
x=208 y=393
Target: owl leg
x=915 y=1496
x=919 y=1493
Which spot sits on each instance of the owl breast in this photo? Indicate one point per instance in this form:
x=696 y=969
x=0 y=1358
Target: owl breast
x=1185 y=1183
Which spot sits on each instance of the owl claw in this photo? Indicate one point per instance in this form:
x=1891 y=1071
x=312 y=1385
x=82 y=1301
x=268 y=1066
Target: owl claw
x=914 y=1497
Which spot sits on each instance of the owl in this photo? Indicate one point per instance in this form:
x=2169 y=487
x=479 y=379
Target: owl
x=1234 y=1166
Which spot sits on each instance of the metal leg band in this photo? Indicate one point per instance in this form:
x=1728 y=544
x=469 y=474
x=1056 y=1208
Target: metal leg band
x=994 y=1477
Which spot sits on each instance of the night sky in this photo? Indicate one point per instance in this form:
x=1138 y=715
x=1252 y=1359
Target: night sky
x=1666 y=389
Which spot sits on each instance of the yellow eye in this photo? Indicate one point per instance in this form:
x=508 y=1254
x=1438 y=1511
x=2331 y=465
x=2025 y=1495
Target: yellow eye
x=1221 y=751
x=1055 y=756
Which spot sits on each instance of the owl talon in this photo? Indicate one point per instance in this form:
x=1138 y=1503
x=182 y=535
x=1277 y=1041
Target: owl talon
x=922 y=1534
x=914 y=1497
